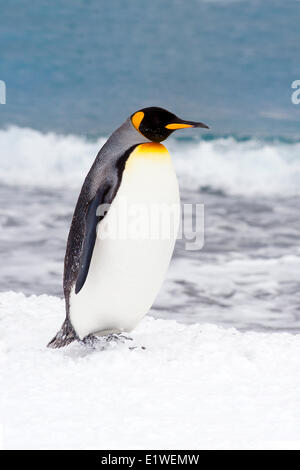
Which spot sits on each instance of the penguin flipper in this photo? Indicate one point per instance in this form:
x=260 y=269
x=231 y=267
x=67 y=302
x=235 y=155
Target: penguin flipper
x=91 y=222
x=82 y=235
x=64 y=336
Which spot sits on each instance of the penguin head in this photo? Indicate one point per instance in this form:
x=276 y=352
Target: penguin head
x=156 y=124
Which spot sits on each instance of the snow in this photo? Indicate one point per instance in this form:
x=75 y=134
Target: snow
x=194 y=386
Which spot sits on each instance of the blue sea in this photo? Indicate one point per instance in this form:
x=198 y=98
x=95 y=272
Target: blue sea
x=74 y=71
x=83 y=66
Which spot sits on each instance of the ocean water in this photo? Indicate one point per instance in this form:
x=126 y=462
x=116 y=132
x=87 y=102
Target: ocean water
x=74 y=71
x=247 y=274
x=83 y=66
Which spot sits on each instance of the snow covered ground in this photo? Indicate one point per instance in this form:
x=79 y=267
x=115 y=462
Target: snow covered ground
x=194 y=386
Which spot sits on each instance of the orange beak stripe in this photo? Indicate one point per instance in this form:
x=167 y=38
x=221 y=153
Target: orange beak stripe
x=178 y=126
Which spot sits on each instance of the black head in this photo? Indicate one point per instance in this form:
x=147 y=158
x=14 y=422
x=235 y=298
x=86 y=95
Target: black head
x=156 y=124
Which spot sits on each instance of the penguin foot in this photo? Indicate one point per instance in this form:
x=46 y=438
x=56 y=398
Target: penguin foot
x=94 y=341
x=121 y=338
x=117 y=337
x=102 y=342
x=64 y=336
x=90 y=340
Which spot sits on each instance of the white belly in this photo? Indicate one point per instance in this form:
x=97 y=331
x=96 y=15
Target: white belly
x=133 y=248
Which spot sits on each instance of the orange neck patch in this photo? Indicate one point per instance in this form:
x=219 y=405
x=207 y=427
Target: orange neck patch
x=152 y=152
x=152 y=147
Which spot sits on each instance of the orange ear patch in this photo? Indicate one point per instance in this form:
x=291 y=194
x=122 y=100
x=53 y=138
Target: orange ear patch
x=137 y=119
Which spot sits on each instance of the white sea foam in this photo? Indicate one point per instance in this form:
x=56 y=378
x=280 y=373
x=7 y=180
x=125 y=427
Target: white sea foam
x=249 y=167
x=32 y=158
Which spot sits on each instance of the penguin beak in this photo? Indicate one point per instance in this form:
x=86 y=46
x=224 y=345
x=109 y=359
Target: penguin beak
x=181 y=124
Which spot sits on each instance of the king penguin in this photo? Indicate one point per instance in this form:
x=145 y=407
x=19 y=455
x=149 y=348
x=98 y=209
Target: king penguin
x=110 y=282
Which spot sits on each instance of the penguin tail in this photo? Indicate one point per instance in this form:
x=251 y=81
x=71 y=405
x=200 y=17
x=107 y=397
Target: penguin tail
x=65 y=336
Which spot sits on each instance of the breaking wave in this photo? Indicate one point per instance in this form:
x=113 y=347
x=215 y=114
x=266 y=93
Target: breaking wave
x=250 y=167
